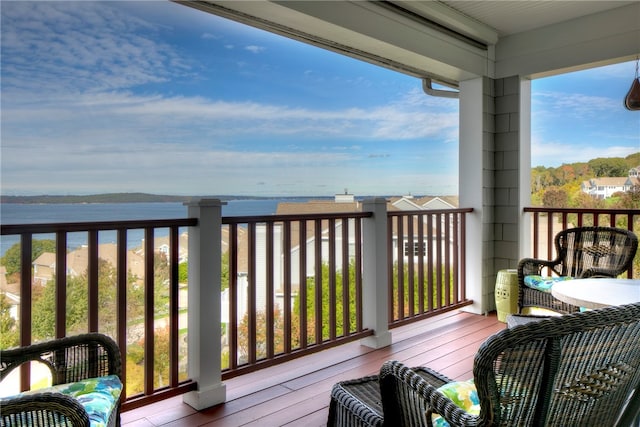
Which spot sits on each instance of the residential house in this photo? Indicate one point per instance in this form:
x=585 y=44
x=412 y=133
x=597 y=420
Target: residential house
x=44 y=266
x=10 y=292
x=633 y=182
x=162 y=245
x=605 y=187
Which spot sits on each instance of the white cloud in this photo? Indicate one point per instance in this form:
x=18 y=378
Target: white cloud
x=128 y=112
x=555 y=153
x=53 y=47
x=574 y=104
x=623 y=70
x=255 y=49
x=74 y=121
x=209 y=36
x=186 y=145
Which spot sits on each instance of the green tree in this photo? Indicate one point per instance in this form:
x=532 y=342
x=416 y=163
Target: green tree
x=569 y=177
x=183 y=272
x=224 y=271
x=555 y=198
x=11 y=258
x=261 y=335
x=161 y=283
x=77 y=309
x=585 y=201
x=44 y=311
x=609 y=166
x=633 y=160
x=324 y=303
x=161 y=362
x=9 y=336
x=630 y=199
x=434 y=291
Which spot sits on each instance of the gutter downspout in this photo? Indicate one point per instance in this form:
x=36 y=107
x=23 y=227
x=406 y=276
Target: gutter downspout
x=429 y=90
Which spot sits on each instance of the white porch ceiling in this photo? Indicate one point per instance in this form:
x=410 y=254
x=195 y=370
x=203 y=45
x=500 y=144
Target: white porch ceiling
x=454 y=40
x=511 y=17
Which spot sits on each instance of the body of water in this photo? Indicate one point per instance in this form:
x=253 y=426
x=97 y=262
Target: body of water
x=15 y=213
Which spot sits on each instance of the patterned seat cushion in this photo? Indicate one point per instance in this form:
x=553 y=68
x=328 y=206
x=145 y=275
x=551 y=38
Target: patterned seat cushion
x=99 y=396
x=463 y=394
x=543 y=283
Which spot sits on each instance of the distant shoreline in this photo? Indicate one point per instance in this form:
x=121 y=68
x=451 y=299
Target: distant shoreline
x=153 y=198
x=132 y=198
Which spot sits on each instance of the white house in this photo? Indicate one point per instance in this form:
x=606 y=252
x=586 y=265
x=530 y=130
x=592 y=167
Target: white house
x=603 y=188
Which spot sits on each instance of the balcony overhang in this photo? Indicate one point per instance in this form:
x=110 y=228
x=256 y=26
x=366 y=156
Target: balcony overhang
x=431 y=39
x=376 y=32
x=591 y=41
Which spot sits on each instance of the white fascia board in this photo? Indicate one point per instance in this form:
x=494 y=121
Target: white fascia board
x=363 y=30
x=593 y=40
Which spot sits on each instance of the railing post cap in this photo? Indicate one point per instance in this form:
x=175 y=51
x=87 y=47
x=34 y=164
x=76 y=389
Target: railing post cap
x=204 y=202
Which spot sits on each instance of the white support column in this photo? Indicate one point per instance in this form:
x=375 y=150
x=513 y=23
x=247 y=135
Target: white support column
x=493 y=139
x=204 y=304
x=476 y=186
x=526 y=238
x=375 y=274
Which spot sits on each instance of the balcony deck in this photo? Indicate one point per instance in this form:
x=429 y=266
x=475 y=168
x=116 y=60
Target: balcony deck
x=297 y=393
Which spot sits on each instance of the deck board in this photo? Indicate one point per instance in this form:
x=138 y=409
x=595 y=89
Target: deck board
x=297 y=393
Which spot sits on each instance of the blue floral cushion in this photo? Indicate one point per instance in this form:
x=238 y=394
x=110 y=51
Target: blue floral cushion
x=463 y=394
x=98 y=396
x=543 y=283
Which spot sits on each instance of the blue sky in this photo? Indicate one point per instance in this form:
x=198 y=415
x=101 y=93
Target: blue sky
x=160 y=98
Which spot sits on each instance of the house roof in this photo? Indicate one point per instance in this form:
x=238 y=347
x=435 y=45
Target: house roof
x=609 y=181
x=317 y=206
x=78 y=259
x=439 y=202
x=47 y=259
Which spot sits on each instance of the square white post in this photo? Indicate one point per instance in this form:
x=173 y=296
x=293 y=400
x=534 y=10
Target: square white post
x=204 y=304
x=476 y=190
x=375 y=276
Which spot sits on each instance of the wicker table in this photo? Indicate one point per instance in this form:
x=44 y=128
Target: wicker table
x=358 y=403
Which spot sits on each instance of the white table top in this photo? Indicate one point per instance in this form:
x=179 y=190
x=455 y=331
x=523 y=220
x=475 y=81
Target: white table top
x=597 y=293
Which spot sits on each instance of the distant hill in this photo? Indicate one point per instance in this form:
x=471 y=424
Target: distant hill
x=149 y=198
x=110 y=198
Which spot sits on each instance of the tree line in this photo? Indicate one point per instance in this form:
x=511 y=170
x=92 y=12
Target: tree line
x=559 y=187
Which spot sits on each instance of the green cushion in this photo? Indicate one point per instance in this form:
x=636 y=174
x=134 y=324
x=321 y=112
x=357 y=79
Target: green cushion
x=543 y=283
x=98 y=396
x=464 y=395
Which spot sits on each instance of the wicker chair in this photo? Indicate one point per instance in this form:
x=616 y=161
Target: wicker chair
x=358 y=403
x=573 y=370
x=70 y=360
x=582 y=252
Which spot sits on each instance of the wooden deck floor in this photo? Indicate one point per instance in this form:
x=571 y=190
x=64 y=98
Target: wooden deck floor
x=297 y=393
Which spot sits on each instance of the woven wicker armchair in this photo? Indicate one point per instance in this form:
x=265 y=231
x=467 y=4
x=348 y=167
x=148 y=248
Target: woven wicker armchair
x=574 y=370
x=70 y=360
x=582 y=252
